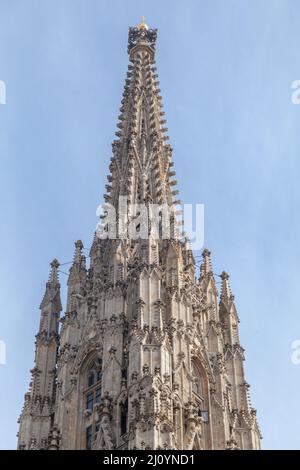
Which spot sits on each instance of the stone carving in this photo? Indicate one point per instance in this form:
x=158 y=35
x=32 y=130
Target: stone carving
x=139 y=330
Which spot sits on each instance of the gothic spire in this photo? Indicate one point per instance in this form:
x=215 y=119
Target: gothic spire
x=141 y=166
x=226 y=294
x=53 y=278
x=52 y=292
x=140 y=337
x=205 y=268
x=39 y=401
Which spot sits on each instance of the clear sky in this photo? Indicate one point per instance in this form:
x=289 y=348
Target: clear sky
x=225 y=70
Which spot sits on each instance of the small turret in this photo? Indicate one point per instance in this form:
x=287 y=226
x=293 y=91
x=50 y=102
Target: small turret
x=35 y=420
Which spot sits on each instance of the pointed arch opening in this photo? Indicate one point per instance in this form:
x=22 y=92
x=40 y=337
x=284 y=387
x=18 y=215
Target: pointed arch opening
x=90 y=396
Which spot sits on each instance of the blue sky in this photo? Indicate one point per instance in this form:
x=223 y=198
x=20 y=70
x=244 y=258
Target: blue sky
x=225 y=70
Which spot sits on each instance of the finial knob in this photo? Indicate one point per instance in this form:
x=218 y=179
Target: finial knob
x=224 y=276
x=79 y=244
x=54 y=264
x=143 y=25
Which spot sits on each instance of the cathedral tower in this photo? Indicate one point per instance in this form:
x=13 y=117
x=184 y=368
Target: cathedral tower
x=147 y=356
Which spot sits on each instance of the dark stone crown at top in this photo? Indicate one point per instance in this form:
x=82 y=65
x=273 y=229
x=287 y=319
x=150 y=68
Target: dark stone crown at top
x=142 y=36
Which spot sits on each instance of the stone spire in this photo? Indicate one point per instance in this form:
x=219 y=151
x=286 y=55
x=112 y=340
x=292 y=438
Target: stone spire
x=243 y=416
x=148 y=358
x=141 y=166
x=53 y=277
x=51 y=302
x=78 y=252
x=226 y=295
x=228 y=313
x=36 y=416
x=52 y=287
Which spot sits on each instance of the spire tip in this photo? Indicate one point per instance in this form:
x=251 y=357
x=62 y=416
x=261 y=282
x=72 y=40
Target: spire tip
x=54 y=264
x=224 y=276
x=143 y=25
x=206 y=253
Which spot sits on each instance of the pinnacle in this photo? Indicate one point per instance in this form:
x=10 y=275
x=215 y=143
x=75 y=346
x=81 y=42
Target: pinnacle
x=79 y=244
x=53 y=278
x=187 y=245
x=206 y=253
x=224 y=276
x=225 y=289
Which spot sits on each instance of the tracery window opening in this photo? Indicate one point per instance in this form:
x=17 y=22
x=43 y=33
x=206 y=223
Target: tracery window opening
x=92 y=396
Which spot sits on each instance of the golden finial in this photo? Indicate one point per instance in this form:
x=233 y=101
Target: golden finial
x=143 y=25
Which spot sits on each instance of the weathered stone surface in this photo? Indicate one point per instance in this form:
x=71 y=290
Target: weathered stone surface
x=147 y=357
